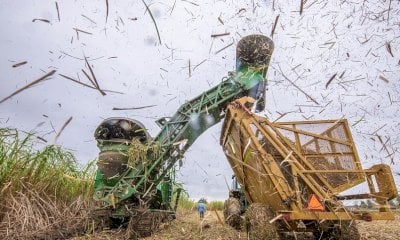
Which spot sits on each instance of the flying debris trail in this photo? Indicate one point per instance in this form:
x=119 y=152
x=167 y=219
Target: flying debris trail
x=274 y=27
x=62 y=129
x=134 y=108
x=58 y=12
x=154 y=21
x=86 y=85
x=298 y=88
x=301 y=6
x=330 y=80
x=93 y=80
x=28 y=86
x=389 y=49
x=222 y=49
x=220 y=35
x=106 y=10
x=82 y=31
x=190 y=69
x=19 y=64
x=40 y=19
x=41 y=139
x=74 y=80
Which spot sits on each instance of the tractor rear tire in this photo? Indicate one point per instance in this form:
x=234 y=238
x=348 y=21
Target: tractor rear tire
x=232 y=210
x=257 y=222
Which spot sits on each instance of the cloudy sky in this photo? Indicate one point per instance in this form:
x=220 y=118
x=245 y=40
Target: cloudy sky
x=355 y=45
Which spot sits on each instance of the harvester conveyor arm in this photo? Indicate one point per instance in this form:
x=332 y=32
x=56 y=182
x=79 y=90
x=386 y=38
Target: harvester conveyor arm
x=179 y=133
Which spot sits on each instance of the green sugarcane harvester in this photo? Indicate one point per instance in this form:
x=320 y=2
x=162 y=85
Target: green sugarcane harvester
x=136 y=172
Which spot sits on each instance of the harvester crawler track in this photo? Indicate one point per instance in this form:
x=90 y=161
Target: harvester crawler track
x=144 y=223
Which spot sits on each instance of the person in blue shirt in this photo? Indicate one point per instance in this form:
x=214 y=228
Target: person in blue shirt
x=201 y=208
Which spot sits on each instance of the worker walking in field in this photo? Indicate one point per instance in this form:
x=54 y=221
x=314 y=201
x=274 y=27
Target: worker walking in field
x=201 y=207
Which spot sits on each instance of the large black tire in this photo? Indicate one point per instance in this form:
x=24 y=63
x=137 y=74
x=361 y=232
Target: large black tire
x=257 y=222
x=345 y=230
x=232 y=210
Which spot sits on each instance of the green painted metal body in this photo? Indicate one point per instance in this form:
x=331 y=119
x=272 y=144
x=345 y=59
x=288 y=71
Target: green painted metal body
x=176 y=136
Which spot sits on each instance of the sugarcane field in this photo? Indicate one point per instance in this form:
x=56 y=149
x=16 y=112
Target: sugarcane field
x=186 y=119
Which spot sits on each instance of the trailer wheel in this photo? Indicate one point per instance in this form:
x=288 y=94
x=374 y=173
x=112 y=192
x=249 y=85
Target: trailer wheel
x=257 y=222
x=347 y=230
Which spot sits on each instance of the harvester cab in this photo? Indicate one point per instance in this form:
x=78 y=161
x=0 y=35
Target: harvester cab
x=237 y=192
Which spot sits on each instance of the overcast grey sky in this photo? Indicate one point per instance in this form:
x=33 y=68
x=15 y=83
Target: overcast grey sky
x=344 y=38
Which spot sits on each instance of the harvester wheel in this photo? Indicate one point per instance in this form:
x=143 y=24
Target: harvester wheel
x=257 y=222
x=232 y=209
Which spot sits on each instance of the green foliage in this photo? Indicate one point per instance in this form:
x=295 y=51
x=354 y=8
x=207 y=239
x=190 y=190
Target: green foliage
x=215 y=205
x=50 y=170
x=186 y=203
x=139 y=152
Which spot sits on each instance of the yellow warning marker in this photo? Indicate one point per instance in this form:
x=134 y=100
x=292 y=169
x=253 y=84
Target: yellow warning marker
x=314 y=204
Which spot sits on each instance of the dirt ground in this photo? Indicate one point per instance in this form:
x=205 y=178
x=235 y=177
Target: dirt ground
x=188 y=226
x=381 y=230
